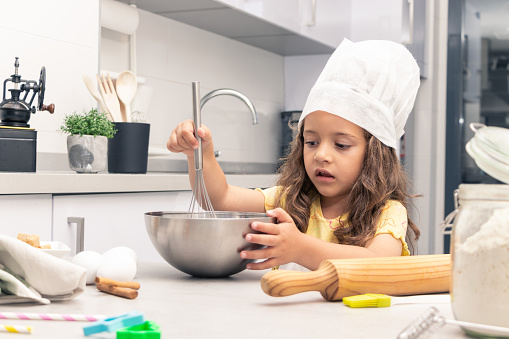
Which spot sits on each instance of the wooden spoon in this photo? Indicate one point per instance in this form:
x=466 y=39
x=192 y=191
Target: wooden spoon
x=95 y=93
x=126 y=86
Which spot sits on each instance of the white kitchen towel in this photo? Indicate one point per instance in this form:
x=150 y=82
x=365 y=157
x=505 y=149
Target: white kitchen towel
x=53 y=278
x=14 y=289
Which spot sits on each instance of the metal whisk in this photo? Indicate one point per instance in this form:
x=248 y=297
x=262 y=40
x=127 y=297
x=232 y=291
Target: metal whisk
x=200 y=206
x=431 y=321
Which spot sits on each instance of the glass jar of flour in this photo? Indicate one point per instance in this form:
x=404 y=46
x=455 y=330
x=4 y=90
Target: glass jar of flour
x=480 y=257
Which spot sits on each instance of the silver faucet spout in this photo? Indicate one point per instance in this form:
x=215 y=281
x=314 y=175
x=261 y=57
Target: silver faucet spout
x=232 y=92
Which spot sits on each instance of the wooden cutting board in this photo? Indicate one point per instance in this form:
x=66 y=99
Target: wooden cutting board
x=339 y=278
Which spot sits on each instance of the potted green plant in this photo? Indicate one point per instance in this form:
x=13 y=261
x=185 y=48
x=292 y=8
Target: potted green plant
x=87 y=143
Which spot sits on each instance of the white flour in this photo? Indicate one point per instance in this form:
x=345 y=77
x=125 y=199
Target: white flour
x=480 y=288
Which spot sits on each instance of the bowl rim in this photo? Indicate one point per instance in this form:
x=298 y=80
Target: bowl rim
x=223 y=215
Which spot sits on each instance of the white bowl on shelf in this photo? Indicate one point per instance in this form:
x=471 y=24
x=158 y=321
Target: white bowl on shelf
x=494 y=141
x=489 y=148
x=58 y=249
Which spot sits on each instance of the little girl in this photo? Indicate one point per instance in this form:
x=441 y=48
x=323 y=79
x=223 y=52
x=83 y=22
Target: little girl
x=342 y=192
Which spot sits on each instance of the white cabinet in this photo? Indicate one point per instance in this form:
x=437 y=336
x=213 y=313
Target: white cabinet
x=374 y=19
x=283 y=13
x=324 y=21
x=402 y=21
x=114 y=219
x=272 y=25
x=303 y=27
x=329 y=21
x=30 y=213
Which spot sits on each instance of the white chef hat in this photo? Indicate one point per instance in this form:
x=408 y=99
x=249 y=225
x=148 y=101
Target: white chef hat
x=370 y=83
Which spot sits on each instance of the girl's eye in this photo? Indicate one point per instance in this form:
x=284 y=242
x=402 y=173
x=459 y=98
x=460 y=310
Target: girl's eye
x=311 y=143
x=342 y=146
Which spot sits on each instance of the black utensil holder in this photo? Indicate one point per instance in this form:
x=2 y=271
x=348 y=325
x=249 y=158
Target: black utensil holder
x=128 y=149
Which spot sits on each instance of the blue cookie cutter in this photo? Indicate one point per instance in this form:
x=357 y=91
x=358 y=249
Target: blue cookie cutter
x=147 y=330
x=114 y=323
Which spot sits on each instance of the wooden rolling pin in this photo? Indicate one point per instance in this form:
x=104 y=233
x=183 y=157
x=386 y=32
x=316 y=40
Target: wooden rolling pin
x=339 y=278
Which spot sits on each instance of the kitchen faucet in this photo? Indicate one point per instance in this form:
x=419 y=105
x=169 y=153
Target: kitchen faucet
x=232 y=92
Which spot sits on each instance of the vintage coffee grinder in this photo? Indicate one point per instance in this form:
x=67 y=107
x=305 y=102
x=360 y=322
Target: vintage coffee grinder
x=18 y=142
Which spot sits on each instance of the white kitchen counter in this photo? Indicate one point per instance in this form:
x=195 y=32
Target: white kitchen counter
x=235 y=307
x=67 y=182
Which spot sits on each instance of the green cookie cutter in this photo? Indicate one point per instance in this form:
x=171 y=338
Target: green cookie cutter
x=147 y=330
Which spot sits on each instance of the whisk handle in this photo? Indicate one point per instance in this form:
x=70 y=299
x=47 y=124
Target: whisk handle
x=198 y=153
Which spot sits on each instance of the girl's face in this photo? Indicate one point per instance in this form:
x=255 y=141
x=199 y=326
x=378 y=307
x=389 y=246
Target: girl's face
x=334 y=150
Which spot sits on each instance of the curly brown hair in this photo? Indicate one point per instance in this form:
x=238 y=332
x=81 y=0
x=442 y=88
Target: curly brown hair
x=382 y=178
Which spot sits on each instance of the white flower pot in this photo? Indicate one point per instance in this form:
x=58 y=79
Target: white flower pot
x=87 y=154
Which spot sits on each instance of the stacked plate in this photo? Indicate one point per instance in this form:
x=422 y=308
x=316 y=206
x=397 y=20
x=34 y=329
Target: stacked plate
x=490 y=150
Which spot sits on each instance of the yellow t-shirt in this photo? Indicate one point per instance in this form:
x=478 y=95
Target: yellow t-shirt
x=393 y=220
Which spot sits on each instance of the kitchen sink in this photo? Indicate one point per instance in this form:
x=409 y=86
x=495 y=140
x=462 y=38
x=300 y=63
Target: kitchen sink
x=247 y=168
x=161 y=160
x=180 y=166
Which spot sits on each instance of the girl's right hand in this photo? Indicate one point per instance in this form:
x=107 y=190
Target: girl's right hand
x=183 y=140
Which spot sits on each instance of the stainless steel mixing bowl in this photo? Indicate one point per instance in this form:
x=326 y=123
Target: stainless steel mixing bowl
x=203 y=247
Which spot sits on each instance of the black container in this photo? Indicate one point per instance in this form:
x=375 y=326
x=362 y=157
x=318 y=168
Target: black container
x=18 y=150
x=128 y=149
x=289 y=122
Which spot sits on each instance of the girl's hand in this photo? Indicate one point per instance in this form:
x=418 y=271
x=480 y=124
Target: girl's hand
x=282 y=241
x=183 y=140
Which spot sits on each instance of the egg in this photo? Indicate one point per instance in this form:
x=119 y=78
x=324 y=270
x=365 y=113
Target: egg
x=122 y=251
x=117 y=267
x=89 y=260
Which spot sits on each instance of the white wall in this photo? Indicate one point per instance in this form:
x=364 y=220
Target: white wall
x=170 y=55
x=301 y=73
x=63 y=36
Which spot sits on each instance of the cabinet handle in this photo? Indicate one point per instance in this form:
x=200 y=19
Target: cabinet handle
x=410 y=39
x=313 y=14
x=80 y=232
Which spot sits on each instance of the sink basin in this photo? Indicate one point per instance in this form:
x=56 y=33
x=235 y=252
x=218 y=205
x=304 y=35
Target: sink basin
x=240 y=167
x=161 y=160
x=247 y=168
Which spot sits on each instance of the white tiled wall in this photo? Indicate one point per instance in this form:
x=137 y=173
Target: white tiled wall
x=170 y=55
x=301 y=72
x=61 y=35
x=65 y=37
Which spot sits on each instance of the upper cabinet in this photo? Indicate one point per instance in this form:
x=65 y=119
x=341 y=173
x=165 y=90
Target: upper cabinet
x=324 y=21
x=328 y=21
x=285 y=27
x=402 y=21
x=301 y=27
x=282 y=13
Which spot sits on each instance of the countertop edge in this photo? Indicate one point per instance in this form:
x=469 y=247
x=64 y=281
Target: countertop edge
x=74 y=183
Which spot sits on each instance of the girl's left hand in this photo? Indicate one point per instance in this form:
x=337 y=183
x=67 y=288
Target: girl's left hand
x=282 y=241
